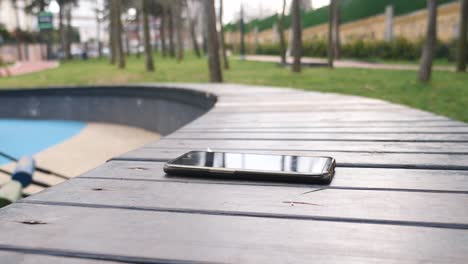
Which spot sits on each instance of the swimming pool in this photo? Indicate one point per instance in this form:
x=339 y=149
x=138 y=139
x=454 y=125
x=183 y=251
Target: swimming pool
x=28 y=137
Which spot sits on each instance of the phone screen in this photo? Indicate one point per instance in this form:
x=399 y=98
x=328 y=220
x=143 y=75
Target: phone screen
x=255 y=162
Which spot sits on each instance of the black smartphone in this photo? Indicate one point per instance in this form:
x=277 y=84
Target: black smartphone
x=249 y=166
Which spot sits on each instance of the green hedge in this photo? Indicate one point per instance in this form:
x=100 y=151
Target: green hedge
x=397 y=49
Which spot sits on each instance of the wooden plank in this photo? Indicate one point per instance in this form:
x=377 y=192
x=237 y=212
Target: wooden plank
x=328 y=124
x=401 y=147
x=356 y=159
x=450 y=130
x=345 y=178
x=389 y=137
x=360 y=116
x=32 y=255
x=221 y=238
x=419 y=208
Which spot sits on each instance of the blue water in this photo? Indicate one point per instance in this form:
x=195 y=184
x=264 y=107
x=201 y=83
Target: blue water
x=27 y=137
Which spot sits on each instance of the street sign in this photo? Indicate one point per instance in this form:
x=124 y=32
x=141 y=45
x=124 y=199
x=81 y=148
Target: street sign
x=45 y=20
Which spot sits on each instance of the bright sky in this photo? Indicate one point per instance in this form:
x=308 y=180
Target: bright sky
x=258 y=8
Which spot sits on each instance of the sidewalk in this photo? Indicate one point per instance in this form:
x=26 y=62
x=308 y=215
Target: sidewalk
x=346 y=63
x=26 y=67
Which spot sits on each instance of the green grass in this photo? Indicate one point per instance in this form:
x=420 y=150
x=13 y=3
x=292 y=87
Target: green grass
x=447 y=94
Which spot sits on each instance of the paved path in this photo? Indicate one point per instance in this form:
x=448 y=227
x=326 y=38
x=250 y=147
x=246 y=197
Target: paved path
x=25 y=67
x=399 y=195
x=347 y=63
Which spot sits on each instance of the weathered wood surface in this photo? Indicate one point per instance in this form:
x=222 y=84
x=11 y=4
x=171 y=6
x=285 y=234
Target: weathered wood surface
x=400 y=192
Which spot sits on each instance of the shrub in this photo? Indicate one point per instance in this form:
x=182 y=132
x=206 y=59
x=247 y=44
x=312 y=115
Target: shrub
x=268 y=49
x=314 y=48
x=397 y=49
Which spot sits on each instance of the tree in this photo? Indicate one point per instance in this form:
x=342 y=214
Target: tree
x=68 y=35
x=336 y=30
x=162 y=30
x=146 y=29
x=61 y=28
x=98 y=30
x=242 y=32
x=112 y=26
x=425 y=69
x=171 y=30
x=221 y=36
x=178 y=4
x=331 y=38
x=17 y=31
x=116 y=11
x=193 y=35
x=297 y=35
x=281 y=34
x=462 y=37
x=137 y=30
x=213 y=46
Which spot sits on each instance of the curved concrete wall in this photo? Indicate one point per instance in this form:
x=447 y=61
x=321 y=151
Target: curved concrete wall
x=158 y=109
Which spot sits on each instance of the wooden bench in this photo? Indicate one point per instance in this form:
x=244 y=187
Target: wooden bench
x=400 y=193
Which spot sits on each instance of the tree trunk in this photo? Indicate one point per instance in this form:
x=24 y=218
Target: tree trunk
x=336 y=30
x=118 y=34
x=221 y=36
x=162 y=31
x=193 y=35
x=18 y=32
x=171 y=31
x=180 y=30
x=297 y=35
x=425 y=69
x=127 y=43
x=69 y=36
x=462 y=37
x=61 y=29
x=137 y=31
x=331 y=38
x=213 y=45
x=112 y=26
x=281 y=34
x=242 y=33
x=98 y=34
x=146 y=29
x=205 y=39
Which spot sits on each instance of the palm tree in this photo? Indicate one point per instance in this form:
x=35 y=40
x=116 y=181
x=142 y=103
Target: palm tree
x=462 y=37
x=281 y=34
x=213 y=46
x=146 y=28
x=297 y=35
x=425 y=69
x=221 y=36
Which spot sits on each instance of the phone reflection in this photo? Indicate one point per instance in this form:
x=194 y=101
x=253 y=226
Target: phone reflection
x=283 y=163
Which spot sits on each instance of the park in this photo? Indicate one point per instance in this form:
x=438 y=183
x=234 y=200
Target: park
x=98 y=98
